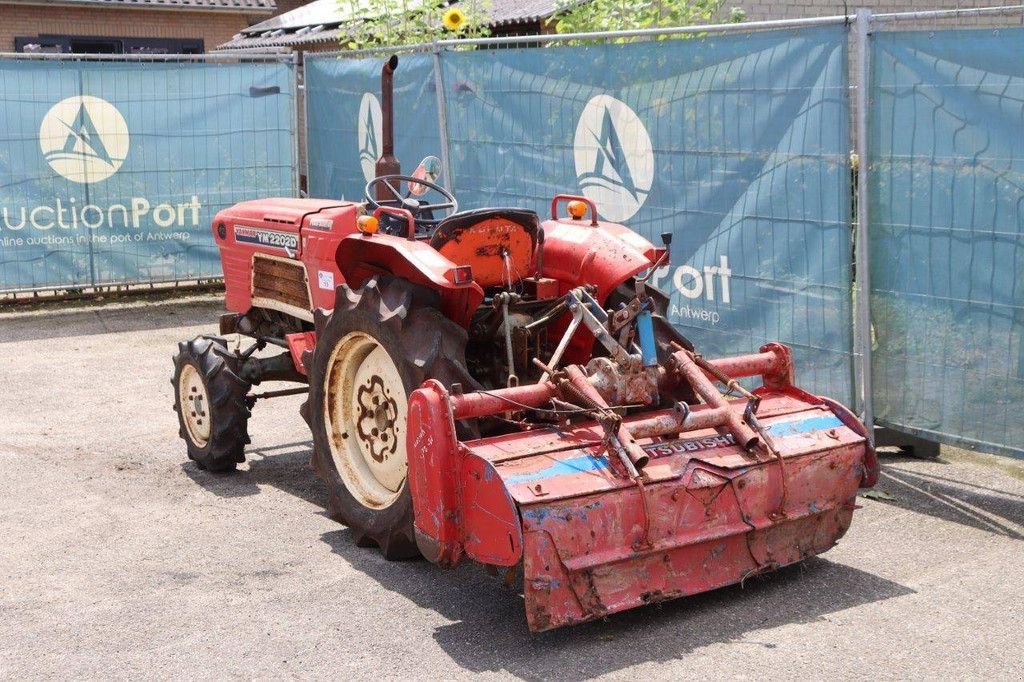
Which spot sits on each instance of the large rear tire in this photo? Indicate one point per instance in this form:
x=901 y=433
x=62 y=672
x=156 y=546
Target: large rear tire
x=379 y=344
x=209 y=397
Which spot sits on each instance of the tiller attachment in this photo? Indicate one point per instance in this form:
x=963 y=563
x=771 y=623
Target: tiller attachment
x=616 y=510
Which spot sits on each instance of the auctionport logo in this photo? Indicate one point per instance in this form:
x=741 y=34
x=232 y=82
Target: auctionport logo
x=84 y=138
x=614 y=158
x=699 y=295
x=370 y=129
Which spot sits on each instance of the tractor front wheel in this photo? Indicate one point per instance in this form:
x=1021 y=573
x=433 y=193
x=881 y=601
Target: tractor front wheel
x=379 y=344
x=209 y=397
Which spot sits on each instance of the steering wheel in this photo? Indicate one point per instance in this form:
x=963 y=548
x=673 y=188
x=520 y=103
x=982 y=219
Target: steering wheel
x=423 y=213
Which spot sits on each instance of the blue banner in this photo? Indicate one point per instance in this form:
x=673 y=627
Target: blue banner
x=111 y=172
x=737 y=145
x=343 y=120
x=947 y=235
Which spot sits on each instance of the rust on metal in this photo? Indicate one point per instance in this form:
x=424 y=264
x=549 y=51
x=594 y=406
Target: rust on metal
x=705 y=512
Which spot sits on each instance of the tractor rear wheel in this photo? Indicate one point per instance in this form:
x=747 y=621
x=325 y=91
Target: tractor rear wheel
x=209 y=397
x=378 y=345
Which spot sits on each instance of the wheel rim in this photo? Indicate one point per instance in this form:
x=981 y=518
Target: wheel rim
x=194 y=405
x=365 y=410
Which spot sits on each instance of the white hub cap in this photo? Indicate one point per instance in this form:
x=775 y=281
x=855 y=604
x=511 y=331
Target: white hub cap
x=194 y=403
x=365 y=410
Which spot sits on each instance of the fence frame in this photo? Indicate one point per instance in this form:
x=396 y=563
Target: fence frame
x=862 y=304
x=903 y=435
x=860 y=25
x=862 y=364
x=553 y=38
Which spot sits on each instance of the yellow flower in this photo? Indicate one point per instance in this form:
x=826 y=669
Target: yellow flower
x=454 y=19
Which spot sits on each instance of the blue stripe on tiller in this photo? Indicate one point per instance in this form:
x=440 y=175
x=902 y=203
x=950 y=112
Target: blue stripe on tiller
x=574 y=465
x=793 y=428
x=586 y=464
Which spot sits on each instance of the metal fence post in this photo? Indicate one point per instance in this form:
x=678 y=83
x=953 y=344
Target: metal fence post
x=85 y=190
x=442 y=117
x=296 y=138
x=862 y=322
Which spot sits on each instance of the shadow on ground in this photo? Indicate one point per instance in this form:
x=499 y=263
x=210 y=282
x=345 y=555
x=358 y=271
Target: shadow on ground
x=488 y=632
x=936 y=494
x=285 y=467
x=111 y=320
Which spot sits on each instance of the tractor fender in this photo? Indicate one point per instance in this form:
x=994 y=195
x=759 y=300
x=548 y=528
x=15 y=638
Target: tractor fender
x=605 y=255
x=361 y=256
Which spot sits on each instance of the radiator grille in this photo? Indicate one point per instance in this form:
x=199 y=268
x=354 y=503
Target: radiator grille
x=281 y=281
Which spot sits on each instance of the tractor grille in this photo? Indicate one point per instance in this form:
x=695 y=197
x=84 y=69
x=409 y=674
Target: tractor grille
x=281 y=281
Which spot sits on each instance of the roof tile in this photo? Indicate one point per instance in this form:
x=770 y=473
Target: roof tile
x=260 y=6
x=328 y=15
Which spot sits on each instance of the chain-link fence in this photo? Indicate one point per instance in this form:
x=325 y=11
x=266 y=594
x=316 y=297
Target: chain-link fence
x=946 y=201
x=738 y=141
x=899 y=285
x=111 y=170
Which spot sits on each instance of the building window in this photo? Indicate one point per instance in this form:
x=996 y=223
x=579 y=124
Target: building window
x=107 y=45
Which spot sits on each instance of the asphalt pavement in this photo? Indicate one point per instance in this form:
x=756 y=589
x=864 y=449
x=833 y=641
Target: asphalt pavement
x=120 y=559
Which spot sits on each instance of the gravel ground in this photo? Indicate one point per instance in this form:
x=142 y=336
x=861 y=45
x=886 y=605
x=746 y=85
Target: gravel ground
x=120 y=559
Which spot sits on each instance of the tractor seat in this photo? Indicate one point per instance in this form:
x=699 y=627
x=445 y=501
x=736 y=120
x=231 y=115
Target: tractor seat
x=481 y=239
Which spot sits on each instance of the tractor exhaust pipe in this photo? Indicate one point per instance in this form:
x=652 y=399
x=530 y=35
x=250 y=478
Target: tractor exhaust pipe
x=387 y=164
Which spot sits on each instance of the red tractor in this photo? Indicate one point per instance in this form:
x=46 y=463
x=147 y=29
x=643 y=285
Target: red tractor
x=490 y=385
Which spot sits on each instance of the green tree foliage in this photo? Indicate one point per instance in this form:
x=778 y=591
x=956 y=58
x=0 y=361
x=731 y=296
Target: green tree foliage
x=581 y=16
x=392 y=23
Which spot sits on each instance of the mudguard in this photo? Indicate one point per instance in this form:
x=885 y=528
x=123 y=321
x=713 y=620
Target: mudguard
x=606 y=255
x=362 y=256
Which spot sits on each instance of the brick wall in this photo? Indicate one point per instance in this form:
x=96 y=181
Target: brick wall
x=288 y=5
x=213 y=28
